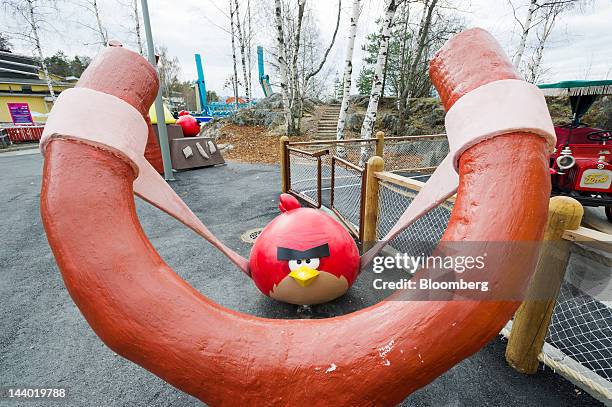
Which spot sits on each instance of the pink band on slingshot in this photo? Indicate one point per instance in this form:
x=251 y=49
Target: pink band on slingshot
x=491 y=110
x=494 y=109
x=119 y=128
x=114 y=124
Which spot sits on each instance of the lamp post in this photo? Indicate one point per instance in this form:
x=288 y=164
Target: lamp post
x=159 y=105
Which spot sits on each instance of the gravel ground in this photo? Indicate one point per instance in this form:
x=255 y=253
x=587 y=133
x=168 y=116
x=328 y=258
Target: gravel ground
x=45 y=342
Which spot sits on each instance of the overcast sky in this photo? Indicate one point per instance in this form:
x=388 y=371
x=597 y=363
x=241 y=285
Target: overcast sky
x=580 y=48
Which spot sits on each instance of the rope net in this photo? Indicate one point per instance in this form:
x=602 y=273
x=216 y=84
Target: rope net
x=581 y=327
x=424 y=234
x=417 y=155
x=347 y=193
x=303 y=174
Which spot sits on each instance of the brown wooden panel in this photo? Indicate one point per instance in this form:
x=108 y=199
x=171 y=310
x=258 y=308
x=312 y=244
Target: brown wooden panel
x=196 y=159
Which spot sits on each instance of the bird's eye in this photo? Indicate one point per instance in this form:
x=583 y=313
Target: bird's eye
x=313 y=263
x=293 y=264
x=299 y=262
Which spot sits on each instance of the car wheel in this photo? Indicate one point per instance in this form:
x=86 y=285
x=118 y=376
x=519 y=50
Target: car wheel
x=609 y=213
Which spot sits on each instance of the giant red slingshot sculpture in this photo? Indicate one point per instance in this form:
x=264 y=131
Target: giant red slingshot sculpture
x=377 y=356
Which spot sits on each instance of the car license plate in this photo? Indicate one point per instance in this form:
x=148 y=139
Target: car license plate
x=595 y=179
x=599 y=179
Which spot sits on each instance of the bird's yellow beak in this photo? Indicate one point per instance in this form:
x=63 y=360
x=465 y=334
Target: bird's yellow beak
x=304 y=275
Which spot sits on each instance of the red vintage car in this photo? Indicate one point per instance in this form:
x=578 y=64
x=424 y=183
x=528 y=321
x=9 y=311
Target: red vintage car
x=581 y=165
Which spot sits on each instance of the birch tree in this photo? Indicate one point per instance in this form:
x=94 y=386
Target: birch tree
x=101 y=30
x=136 y=16
x=241 y=43
x=540 y=13
x=297 y=56
x=295 y=92
x=525 y=28
x=370 y=118
x=92 y=7
x=549 y=12
x=282 y=60
x=249 y=48
x=348 y=71
x=33 y=16
x=416 y=58
x=233 y=35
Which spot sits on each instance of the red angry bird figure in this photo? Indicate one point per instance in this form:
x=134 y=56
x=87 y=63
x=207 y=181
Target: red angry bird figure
x=189 y=124
x=303 y=256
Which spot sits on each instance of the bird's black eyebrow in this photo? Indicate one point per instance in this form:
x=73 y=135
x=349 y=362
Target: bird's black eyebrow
x=283 y=253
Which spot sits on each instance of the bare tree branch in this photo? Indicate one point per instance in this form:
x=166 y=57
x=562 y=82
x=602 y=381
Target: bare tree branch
x=331 y=44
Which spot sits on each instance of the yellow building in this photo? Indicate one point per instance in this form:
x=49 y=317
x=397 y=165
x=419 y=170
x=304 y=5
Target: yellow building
x=22 y=81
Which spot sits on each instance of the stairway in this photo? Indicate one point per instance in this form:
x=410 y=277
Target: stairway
x=328 y=122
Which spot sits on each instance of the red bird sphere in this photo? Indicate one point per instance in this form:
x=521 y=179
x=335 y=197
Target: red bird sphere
x=189 y=124
x=303 y=256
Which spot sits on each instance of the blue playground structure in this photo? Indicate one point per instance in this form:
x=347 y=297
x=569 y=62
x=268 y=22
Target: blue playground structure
x=264 y=79
x=214 y=109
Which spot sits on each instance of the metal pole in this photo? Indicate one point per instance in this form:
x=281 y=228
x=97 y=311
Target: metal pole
x=201 y=84
x=159 y=105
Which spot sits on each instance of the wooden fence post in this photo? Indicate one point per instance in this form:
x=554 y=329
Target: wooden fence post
x=370 y=211
x=284 y=163
x=380 y=143
x=533 y=317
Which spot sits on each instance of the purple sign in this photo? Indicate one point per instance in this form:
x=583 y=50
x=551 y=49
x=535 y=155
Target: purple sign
x=20 y=113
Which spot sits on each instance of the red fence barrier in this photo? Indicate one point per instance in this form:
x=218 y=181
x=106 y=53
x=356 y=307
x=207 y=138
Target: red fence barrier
x=23 y=133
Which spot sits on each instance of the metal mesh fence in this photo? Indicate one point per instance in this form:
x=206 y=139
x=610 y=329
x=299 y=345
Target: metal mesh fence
x=424 y=234
x=347 y=194
x=581 y=327
x=407 y=155
x=413 y=157
x=351 y=152
x=303 y=173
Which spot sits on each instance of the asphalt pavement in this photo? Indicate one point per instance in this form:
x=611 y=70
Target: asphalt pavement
x=45 y=342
